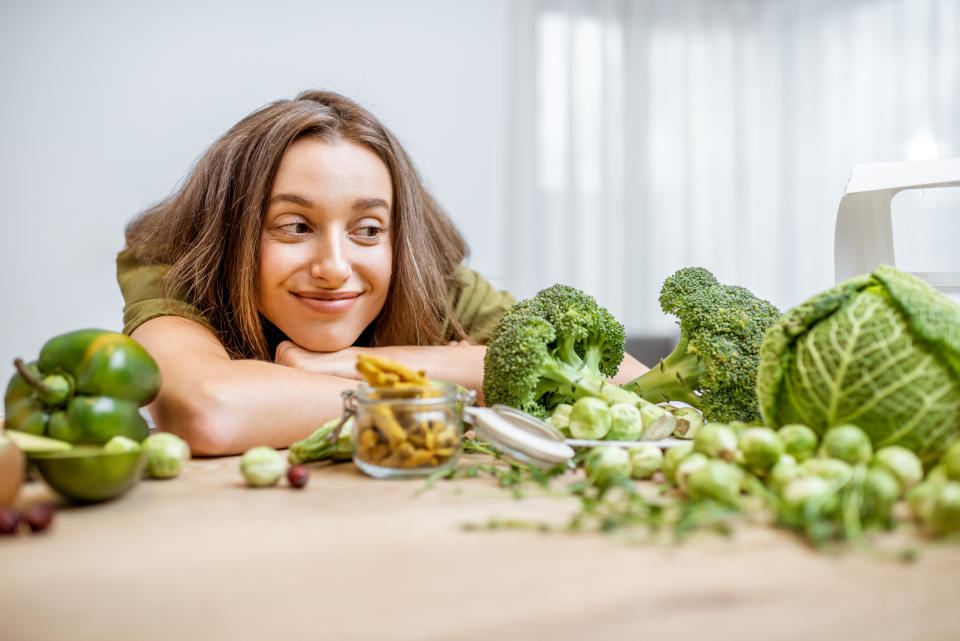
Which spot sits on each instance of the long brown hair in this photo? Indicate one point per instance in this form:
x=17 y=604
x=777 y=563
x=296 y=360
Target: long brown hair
x=208 y=231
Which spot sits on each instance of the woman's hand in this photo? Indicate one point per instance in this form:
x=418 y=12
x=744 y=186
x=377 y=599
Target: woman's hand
x=342 y=364
x=458 y=362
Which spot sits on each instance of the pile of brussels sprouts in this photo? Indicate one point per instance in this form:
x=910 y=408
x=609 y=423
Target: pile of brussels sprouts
x=834 y=487
x=592 y=418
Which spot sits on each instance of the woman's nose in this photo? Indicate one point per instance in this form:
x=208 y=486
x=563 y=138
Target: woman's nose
x=330 y=263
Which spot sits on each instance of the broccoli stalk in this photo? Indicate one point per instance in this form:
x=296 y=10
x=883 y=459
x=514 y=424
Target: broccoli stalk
x=673 y=379
x=557 y=347
x=714 y=367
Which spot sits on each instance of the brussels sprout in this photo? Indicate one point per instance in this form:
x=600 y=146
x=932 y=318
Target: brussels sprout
x=716 y=440
x=848 y=443
x=626 y=422
x=644 y=460
x=607 y=464
x=785 y=471
x=800 y=490
x=880 y=491
x=673 y=457
x=716 y=480
x=262 y=466
x=590 y=418
x=799 y=441
x=737 y=427
x=938 y=475
x=657 y=424
x=902 y=463
x=166 y=454
x=945 y=516
x=688 y=466
x=119 y=444
x=761 y=448
x=829 y=469
x=560 y=417
x=689 y=421
x=922 y=498
x=951 y=462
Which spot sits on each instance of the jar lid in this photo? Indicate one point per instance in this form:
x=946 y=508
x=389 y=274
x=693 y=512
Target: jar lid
x=519 y=435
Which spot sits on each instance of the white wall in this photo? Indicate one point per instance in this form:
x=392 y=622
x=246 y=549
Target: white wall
x=105 y=105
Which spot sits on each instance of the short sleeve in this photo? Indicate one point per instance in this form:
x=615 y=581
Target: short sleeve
x=477 y=305
x=142 y=288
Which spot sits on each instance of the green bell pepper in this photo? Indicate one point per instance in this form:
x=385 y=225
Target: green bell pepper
x=86 y=387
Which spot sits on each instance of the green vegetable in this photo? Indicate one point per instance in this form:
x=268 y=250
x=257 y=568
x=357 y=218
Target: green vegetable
x=902 y=463
x=166 y=454
x=33 y=444
x=799 y=441
x=560 y=417
x=848 y=443
x=262 y=466
x=714 y=366
x=951 y=462
x=798 y=492
x=717 y=480
x=716 y=441
x=316 y=447
x=829 y=469
x=688 y=466
x=658 y=423
x=120 y=444
x=645 y=460
x=557 y=347
x=922 y=498
x=785 y=470
x=689 y=421
x=673 y=457
x=86 y=387
x=626 y=422
x=590 y=418
x=761 y=448
x=880 y=491
x=881 y=350
x=945 y=516
x=606 y=465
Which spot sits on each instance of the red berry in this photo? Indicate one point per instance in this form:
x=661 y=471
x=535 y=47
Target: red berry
x=9 y=520
x=39 y=516
x=297 y=475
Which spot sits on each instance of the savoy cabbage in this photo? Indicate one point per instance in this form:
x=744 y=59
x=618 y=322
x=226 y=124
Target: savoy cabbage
x=881 y=351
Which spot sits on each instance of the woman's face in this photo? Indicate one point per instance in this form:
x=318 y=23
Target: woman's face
x=326 y=245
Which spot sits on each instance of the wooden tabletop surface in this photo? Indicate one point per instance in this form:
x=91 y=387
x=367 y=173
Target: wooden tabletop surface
x=351 y=557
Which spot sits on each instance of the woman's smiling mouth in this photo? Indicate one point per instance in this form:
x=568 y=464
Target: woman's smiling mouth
x=326 y=301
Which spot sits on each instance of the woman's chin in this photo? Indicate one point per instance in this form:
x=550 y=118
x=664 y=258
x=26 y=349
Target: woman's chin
x=322 y=344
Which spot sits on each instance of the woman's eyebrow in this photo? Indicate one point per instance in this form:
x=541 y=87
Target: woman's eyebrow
x=290 y=198
x=370 y=203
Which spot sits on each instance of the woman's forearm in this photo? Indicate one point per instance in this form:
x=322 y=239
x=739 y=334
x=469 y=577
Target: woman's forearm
x=223 y=406
x=249 y=403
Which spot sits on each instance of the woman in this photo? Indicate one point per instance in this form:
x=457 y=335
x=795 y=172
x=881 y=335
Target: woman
x=301 y=238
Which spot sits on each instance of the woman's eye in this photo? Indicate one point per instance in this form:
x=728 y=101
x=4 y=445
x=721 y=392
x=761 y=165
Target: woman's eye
x=371 y=231
x=295 y=228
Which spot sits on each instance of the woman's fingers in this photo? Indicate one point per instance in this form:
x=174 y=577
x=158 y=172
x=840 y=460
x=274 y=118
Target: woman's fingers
x=342 y=363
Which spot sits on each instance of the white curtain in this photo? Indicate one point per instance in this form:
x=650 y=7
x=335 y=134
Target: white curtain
x=652 y=134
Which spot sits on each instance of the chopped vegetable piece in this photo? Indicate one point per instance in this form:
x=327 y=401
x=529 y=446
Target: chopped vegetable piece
x=262 y=466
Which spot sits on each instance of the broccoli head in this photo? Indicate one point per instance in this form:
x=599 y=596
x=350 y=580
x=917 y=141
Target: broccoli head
x=554 y=348
x=714 y=367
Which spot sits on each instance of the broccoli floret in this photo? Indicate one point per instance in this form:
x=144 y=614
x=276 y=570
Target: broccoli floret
x=714 y=367
x=554 y=348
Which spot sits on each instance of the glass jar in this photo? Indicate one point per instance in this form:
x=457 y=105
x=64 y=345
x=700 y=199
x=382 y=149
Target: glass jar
x=407 y=431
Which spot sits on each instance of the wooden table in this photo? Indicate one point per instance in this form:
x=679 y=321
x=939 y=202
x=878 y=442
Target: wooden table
x=350 y=557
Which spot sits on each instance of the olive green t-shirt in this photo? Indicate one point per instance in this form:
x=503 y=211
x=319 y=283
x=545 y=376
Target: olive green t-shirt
x=476 y=303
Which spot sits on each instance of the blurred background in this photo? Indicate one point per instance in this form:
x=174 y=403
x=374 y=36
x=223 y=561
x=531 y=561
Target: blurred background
x=600 y=143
